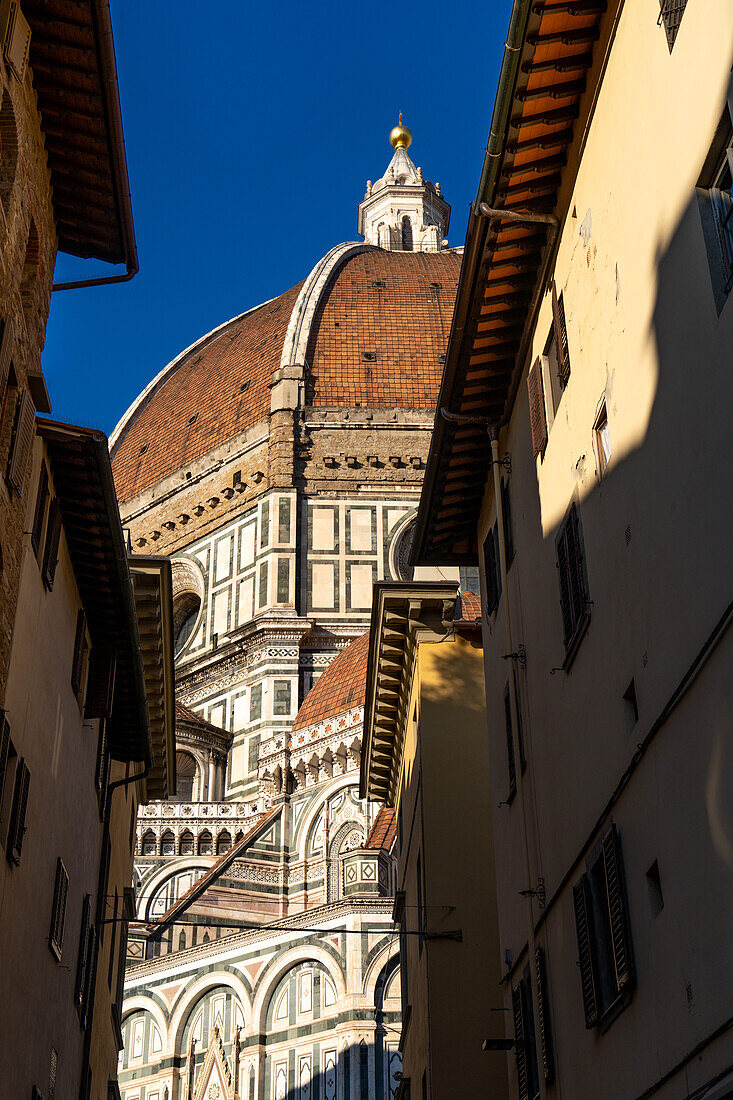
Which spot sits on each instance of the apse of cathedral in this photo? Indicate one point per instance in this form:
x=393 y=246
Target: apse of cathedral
x=278 y=463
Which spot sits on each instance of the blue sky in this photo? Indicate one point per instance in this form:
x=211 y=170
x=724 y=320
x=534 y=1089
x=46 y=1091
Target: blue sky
x=251 y=130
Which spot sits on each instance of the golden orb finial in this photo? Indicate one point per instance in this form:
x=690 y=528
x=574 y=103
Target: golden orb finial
x=401 y=136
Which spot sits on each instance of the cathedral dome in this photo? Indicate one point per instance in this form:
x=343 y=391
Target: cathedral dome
x=369 y=327
x=341 y=687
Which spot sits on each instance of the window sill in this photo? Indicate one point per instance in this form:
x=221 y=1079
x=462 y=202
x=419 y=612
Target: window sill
x=572 y=647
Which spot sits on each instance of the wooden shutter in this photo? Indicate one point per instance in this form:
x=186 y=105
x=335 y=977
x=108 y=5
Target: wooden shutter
x=83 y=956
x=4 y=750
x=16 y=830
x=491 y=573
x=520 y=1043
x=510 y=743
x=80 y=645
x=6 y=354
x=618 y=911
x=586 y=951
x=122 y=960
x=51 y=549
x=561 y=338
x=571 y=567
x=20 y=453
x=100 y=683
x=40 y=511
x=58 y=911
x=90 y=974
x=543 y=1018
x=506 y=507
x=537 y=415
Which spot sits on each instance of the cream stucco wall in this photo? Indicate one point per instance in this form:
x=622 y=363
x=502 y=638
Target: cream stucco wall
x=645 y=335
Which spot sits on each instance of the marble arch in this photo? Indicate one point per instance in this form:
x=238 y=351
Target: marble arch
x=191 y=994
x=279 y=967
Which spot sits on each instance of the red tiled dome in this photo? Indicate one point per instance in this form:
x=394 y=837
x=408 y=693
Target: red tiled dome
x=340 y=687
x=378 y=328
x=215 y=390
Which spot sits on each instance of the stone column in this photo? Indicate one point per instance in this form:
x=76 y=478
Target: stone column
x=211 y=790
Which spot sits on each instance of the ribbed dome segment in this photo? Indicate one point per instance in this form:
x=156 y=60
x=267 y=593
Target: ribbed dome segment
x=341 y=687
x=213 y=391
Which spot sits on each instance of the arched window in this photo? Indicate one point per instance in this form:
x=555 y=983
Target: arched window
x=187 y=774
x=206 y=846
x=406 y=234
x=188 y=594
x=223 y=842
x=149 y=845
x=168 y=844
x=186 y=846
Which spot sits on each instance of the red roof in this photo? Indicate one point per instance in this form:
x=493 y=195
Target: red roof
x=384 y=830
x=395 y=306
x=469 y=609
x=340 y=687
x=223 y=383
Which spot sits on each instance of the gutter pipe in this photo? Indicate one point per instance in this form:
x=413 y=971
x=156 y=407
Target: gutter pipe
x=102 y=19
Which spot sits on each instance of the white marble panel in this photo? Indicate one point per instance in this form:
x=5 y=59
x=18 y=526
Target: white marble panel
x=323 y=589
x=360 y=520
x=323 y=529
x=361 y=585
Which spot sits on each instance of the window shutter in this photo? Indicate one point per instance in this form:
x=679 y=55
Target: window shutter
x=510 y=744
x=537 y=417
x=520 y=1043
x=100 y=683
x=586 y=951
x=124 y=929
x=90 y=973
x=571 y=566
x=491 y=572
x=51 y=550
x=561 y=338
x=80 y=645
x=563 y=565
x=548 y=1061
x=6 y=353
x=25 y=427
x=83 y=957
x=617 y=911
x=58 y=912
x=506 y=506
x=4 y=749
x=16 y=830
x=40 y=511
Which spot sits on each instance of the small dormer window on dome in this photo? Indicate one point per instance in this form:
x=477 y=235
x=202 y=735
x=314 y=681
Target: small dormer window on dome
x=406 y=234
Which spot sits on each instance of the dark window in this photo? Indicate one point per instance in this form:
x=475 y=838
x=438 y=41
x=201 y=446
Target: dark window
x=406 y=234
x=101 y=771
x=20 y=450
x=491 y=570
x=524 y=1039
x=253 y=753
x=537 y=412
x=51 y=549
x=111 y=962
x=654 y=886
x=283 y=580
x=85 y=961
x=80 y=648
x=40 y=510
x=284 y=519
x=262 y=599
x=100 y=682
x=561 y=338
x=469 y=581
x=281 y=704
x=255 y=703
x=574 y=601
x=670 y=16
x=265 y=524
x=17 y=826
x=604 y=938
x=602 y=437
x=520 y=727
x=6 y=352
x=506 y=507
x=511 y=765
x=58 y=910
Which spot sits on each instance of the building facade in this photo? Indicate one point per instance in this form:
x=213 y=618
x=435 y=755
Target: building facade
x=278 y=463
x=426 y=756
x=88 y=724
x=583 y=429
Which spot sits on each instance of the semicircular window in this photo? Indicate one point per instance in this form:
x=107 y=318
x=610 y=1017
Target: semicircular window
x=186 y=629
x=188 y=594
x=401 y=550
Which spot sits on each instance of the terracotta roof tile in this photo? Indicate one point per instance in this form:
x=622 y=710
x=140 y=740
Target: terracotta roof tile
x=395 y=307
x=469 y=609
x=225 y=385
x=340 y=687
x=384 y=830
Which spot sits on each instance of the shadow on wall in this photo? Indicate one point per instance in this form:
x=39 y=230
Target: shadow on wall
x=357 y=1072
